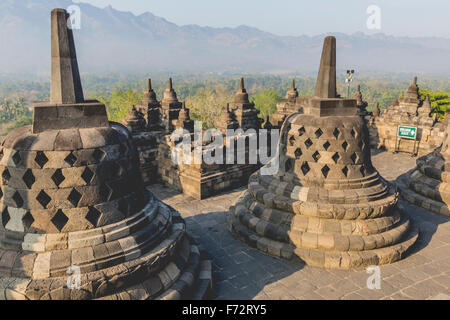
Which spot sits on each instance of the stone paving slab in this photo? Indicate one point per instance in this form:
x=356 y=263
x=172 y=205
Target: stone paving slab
x=245 y=273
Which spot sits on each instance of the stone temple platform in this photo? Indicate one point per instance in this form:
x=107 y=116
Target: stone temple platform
x=326 y=204
x=428 y=184
x=242 y=272
x=76 y=219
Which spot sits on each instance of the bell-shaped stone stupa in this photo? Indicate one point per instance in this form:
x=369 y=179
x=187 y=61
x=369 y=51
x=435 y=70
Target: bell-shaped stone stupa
x=327 y=204
x=76 y=220
x=428 y=185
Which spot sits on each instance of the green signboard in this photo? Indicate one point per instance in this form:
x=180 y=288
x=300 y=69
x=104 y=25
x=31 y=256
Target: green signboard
x=407 y=132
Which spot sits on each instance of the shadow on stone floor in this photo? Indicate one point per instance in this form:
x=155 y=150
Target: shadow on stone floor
x=427 y=222
x=240 y=272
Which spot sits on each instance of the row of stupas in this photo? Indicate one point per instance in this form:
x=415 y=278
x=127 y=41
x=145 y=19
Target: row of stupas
x=408 y=110
x=327 y=204
x=152 y=122
x=76 y=219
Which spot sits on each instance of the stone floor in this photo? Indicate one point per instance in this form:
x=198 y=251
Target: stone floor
x=245 y=273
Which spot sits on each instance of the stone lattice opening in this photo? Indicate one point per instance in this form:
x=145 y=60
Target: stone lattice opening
x=16 y=158
x=41 y=159
x=305 y=168
x=5 y=217
x=308 y=143
x=87 y=175
x=325 y=170
x=74 y=197
x=318 y=133
x=43 y=198
x=18 y=199
x=93 y=216
x=70 y=159
x=291 y=141
x=58 y=177
x=335 y=157
x=336 y=133
x=316 y=156
x=99 y=155
x=28 y=178
x=326 y=145
x=345 y=171
x=6 y=176
x=59 y=220
x=298 y=153
x=345 y=145
x=354 y=157
x=301 y=131
x=27 y=220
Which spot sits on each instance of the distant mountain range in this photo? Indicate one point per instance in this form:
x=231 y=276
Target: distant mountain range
x=112 y=40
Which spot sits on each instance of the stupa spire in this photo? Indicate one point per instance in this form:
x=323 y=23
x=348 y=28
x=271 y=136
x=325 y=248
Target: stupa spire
x=326 y=79
x=65 y=85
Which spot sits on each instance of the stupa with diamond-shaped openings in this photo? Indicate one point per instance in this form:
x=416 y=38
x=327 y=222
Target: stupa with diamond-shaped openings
x=326 y=204
x=76 y=220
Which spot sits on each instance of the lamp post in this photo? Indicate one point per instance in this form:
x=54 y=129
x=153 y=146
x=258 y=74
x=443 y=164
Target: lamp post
x=349 y=80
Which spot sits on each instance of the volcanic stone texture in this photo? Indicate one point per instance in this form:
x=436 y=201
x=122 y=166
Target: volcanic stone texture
x=75 y=197
x=428 y=185
x=327 y=204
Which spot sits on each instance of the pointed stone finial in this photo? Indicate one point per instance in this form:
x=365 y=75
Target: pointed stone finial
x=170 y=87
x=326 y=79
x=293 y=84
x=359 y=88
x=242 y=85
x=65 y=85
x=149 y=84
x=415 y=80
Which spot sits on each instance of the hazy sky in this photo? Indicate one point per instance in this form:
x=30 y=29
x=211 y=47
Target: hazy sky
x=297 y=17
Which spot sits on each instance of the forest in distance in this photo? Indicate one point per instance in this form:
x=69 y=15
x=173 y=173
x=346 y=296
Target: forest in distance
x=207 y=94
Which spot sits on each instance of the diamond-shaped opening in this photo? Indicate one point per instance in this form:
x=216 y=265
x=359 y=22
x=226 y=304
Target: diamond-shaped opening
x=363 y=171
x=27 y=220
x=345 y=171
x=70 y=159
x=316 y=156
x=6 y=176
x=291 y=141
x=58 y=177
x=99 y=155
x=59 y=220
x=1 y=193
x=336 y=133
x=1 y=154
x=326 y=145
x=353 y=133
x=29 y=178
x=16 y=158
x=305 y=168
x=17 y=199
x=123 y=206
x=43 y=198
x=354 y=157
x=74 y=197
x=288 y=165
x=105 y=192
x=301 y=131
x=308 y=143
x=336 y=157
x=318 y=133
x=325 y=170
x=87 y=175
x=41 y=159
x=345 y=145
x=93 y=216
x=5 y=217
x=298 y=153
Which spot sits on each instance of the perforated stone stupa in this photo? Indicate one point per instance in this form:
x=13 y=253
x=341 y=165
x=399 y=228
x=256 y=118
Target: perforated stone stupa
x=327 y=204
x=76 y=220
x=428 y=185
